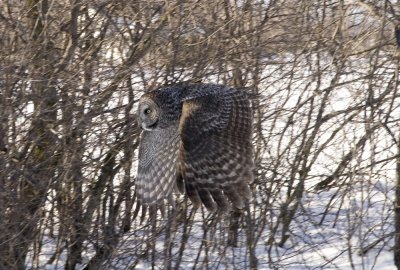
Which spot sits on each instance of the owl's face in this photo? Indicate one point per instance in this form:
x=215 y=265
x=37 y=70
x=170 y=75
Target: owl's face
x=149 y=113
x=159 y=109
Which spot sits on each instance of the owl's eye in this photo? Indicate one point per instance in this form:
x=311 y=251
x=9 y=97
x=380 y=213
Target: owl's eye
x=147 y=111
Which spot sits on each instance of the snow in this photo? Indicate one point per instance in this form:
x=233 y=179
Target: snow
x=346 y=227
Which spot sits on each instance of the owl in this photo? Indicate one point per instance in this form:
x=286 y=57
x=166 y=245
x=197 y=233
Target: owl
x=196 y=139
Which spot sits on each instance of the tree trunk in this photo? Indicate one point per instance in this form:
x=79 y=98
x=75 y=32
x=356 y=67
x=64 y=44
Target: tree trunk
x=37 y=167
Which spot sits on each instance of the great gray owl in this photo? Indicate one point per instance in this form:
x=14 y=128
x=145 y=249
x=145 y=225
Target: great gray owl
x=197 y=138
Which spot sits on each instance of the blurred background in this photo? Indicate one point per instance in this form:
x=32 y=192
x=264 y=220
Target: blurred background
x=326 y=132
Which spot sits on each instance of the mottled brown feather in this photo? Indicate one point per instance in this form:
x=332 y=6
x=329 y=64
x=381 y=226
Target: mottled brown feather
x=199 y=143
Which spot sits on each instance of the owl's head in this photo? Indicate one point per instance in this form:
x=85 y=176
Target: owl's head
x=148 y=113
x=159 y=109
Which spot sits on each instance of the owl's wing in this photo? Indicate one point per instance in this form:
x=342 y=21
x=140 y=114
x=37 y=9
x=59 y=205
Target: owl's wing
x=216 y=156
x=158 y=153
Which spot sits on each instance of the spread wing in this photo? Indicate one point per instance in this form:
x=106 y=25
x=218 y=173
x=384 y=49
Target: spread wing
x=215 y=155
x=158 y=153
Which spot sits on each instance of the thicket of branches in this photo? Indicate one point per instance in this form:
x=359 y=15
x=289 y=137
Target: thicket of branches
x=326 y=131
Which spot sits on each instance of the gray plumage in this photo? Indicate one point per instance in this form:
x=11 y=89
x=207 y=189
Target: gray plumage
x=197 y=138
